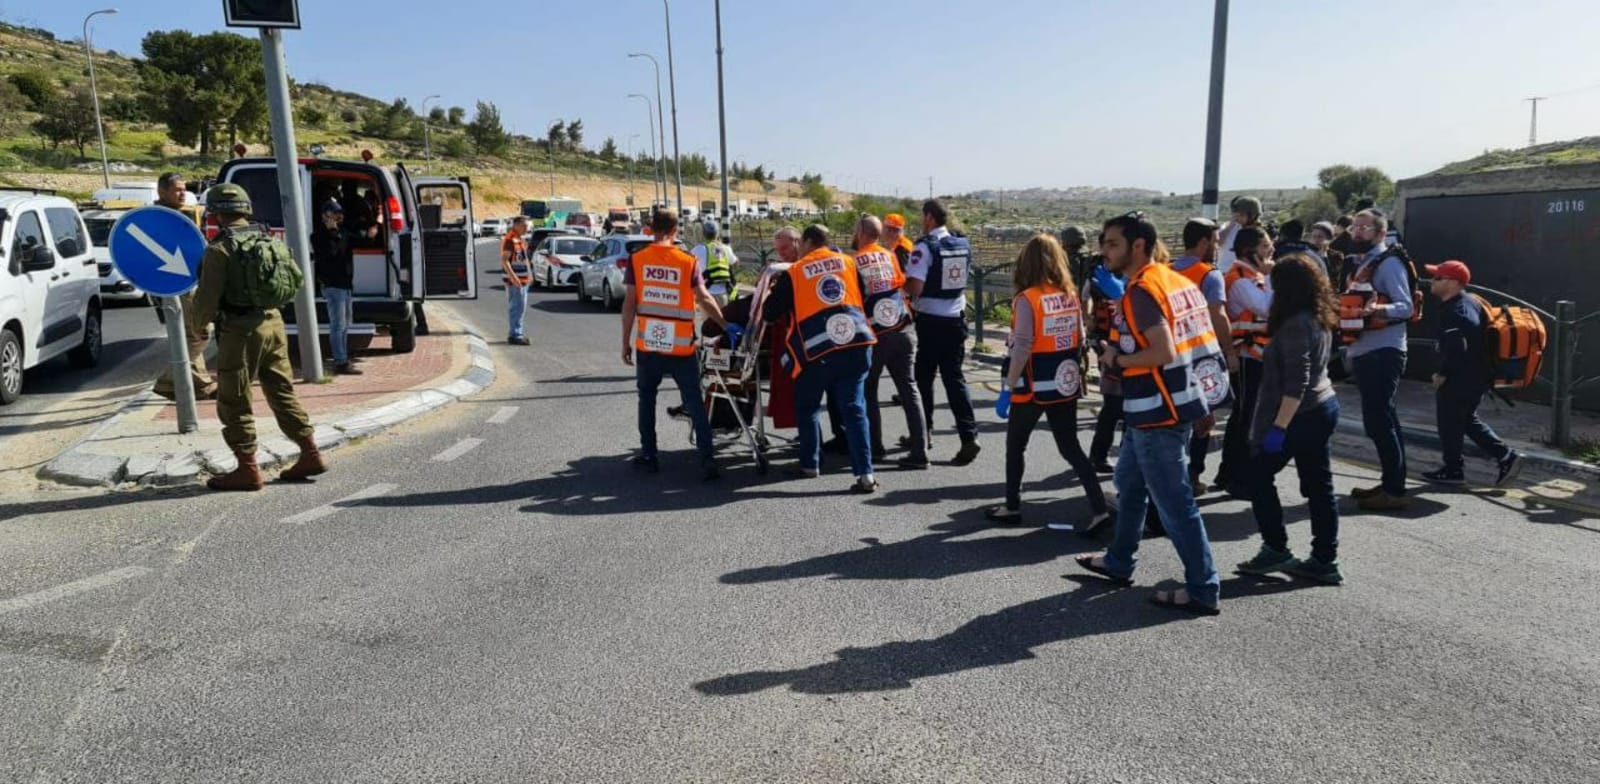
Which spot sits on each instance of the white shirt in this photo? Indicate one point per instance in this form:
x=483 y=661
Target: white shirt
x=1225 y=254
x=917 y=269
x=1245 y=295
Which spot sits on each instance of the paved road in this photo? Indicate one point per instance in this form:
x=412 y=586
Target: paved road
x=503 y=600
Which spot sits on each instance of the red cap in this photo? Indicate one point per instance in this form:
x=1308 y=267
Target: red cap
x=894 y=219
x=1450 y=270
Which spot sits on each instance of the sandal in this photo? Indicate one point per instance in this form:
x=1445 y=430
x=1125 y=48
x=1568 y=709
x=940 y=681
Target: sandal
x=1170 y=599
x=1004 y=515
x=1087 y=562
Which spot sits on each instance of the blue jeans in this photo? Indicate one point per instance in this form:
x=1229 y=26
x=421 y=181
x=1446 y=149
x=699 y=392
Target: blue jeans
x=340 y=313
x=1378 y=377
x=517 y=306
x=1457 y=411
x=1308 y=445
x=651 y=369
x=1154 y=466
x=843 y=376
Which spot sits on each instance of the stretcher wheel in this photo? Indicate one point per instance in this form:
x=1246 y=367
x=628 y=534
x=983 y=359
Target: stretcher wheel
x=762 y=465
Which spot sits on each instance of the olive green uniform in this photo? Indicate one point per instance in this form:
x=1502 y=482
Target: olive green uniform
x=251 y=346
x=198 y=334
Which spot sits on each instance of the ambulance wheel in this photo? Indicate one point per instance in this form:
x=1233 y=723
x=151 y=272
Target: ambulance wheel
x=403 y=336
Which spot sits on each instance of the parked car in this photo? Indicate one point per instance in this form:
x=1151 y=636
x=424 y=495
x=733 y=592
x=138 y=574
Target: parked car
x=492 y=227
x=587 y=223
x=558 y=258
x=113 y=287
x=50 y=290
x=601 y=277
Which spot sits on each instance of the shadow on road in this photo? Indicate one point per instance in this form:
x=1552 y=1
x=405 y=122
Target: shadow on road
x=101 y=500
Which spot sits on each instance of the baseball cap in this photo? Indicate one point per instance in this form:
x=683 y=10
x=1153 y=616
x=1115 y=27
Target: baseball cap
x=895 y=220
x=332 y=205
x=1450 y=270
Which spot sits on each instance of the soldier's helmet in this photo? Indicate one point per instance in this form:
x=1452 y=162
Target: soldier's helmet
x=1073 y=236
x=228 y=197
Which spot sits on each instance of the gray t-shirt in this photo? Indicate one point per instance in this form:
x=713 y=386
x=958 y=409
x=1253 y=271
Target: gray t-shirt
x=1295 y=364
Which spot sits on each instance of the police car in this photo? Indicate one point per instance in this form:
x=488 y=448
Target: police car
x=422 y=249
x=50 y=289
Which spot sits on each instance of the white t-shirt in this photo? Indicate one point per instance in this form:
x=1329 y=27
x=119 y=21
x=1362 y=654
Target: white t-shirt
x=917 y=269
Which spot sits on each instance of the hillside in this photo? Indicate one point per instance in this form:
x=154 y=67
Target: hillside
x=1585 y=150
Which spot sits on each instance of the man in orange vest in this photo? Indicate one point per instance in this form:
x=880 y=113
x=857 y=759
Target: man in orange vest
x=1173 y=374
x=658 y=313
x=518 y=276
x=828 y=349
x=1198 y=264
x=888 y=309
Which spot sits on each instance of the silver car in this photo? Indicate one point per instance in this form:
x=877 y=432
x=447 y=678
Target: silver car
x=113 y=287
x=558 y=259
x=601 y=278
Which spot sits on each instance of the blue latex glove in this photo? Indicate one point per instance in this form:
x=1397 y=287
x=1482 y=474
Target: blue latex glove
x=1274 y=442
x=1002 y=405
x=734 y=333
x=1110 y=284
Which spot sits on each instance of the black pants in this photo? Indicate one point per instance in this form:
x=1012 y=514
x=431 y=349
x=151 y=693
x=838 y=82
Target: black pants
x=941 y=348
x=1105 y=428
x=1308 y=445
x=1063 y=418
x=1236 y=439
x=1458 y=420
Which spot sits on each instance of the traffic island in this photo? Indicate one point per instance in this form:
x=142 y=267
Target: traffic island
x=139 y=446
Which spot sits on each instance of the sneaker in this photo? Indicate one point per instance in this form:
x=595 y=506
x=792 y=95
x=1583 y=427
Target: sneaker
x=518 y=341
x=913 y=462
x=1325 y=572
x=801 y=472
x=346 y=369
x=1383 y=502
x=1270 y=559
x=1509 y=468
x=967 y=453
x=1446 y=476
x=677 y=412
x=1367 y=492
x=865 y=485
x=648 y=465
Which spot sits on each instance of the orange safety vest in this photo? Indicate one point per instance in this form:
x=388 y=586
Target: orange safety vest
x=517 y=246
x=1195 y=272
x=1052 y=375
x=1249 y=329
x=885 y=302
x=663 y=297
x=1359 y=292
x=829 y=312
x=1196 y=380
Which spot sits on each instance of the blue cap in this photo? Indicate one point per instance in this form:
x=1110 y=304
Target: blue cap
x=332 y=205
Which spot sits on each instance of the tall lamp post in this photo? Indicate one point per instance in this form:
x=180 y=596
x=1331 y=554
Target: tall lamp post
x=631 y=199
x=1210 y=198
x=88 y=49
x=660 y=178
x=722 y=129
x=661 y=120
x=427 y=133
x=672 y=87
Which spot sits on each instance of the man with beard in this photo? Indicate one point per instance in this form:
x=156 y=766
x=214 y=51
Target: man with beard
x=1196 y=264
x=1374 y=309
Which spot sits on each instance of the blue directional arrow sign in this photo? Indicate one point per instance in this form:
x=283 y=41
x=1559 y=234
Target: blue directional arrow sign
x=157 y=249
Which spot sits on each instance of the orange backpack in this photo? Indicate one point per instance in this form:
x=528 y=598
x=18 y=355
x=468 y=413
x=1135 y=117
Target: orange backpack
x=1516 y=341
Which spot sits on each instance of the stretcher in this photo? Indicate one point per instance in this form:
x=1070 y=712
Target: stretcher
x=731 y=381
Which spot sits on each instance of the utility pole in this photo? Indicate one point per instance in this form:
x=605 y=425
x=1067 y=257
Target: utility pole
x=632 y=200
x=661 y=122
x=657 y=175
x=1533 y=121
x=672 y=85
x=1209 y=196
x=722 y=130
x=930 y=188
x=296 y=233
x=94 y=90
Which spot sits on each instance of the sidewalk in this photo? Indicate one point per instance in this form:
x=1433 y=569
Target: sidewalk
x=140 y=445
x=1546 y=472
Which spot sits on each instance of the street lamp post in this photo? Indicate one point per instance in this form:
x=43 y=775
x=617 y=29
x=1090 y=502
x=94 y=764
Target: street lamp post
x=672 y=87
x=427 y=134
x=1209 y=195
x=722 y=128
x=659 y=178
x=631 y=198
x=661 y=120
x=94 y=90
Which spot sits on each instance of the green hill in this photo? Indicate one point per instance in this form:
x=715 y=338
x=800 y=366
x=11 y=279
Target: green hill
x=1585 y=150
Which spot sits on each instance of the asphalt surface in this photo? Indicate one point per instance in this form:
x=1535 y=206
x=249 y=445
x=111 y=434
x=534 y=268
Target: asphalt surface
x=532 y=610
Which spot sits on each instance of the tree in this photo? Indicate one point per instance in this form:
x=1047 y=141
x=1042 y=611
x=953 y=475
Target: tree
x=395 y=121
x=817 y=192
x=557 y=136
x=455 y=146
x=575 y=133
x=202 y=86
x=456 y=116
x=1347 y=184
x=485 y=130
x=608 y=150
x=69 y=119
x=36 y=87
x=437 y=116
x=1317 y=206
x=310 y=116
x=12 y=104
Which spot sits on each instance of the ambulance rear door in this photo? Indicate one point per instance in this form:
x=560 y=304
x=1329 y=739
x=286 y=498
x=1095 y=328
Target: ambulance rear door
x=444 y=214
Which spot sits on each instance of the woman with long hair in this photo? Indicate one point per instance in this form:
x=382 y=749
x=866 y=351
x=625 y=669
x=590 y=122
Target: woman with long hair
x=1294 y=420
x=1043 y=377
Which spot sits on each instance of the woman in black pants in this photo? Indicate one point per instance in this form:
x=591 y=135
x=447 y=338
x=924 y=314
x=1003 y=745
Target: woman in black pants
x=1043 y=377
x=1294 y=420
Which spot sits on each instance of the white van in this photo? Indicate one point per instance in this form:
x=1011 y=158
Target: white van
x=50 y=289
x=424 y=246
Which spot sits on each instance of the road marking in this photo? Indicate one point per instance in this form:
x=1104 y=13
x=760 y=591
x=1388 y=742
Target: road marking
x=462 y=447
x=503 y=416
x=73 y=588
x=328 y=509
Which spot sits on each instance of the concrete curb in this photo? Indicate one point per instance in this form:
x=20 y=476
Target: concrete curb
x=82 y=468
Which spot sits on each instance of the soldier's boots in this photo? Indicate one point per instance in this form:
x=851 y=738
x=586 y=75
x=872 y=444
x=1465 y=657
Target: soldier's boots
x=245 y=478
x=310 y=463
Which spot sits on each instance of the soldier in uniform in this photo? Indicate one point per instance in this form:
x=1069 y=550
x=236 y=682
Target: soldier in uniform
x=251 y=346
x=1080 y=262
x=169 y=194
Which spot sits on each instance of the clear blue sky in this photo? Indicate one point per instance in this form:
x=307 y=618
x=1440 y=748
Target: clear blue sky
x=1009 y=93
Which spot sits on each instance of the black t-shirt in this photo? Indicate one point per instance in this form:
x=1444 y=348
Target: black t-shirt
x=333 y=259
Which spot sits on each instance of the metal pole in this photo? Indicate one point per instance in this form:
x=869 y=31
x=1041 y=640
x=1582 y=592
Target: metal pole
x=1533 y=122
x=293 y=203
x=1562 y=342
x=978 y=305
x=182 y=381
x=632 y=200
x=722 y=129
x=1209 y=196
x=427 y=135
x=672 y=85
x=661 y=123
x=94 y=90
x=655 y=170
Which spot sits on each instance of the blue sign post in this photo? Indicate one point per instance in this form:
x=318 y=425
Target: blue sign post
x=158 y=249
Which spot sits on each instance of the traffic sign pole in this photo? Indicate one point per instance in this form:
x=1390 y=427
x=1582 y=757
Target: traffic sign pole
x=295 y=231
x=182 y=380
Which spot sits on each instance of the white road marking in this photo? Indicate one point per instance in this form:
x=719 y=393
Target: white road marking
x=462 y=447
x=503 y=416
x=73 y=588
x=328 y=509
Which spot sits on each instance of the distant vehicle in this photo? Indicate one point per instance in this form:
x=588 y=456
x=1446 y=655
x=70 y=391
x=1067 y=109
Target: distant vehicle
x=742 y=209
x=619 y=220
x=423 y=250
x=551 y=212
x=492 y=227
x=708 y=208
x=113 y=287
x=601 y=277
x=557 y=259
x=50 y=299
x=586 y=223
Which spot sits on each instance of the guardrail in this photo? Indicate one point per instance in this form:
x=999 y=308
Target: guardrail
x=1560 y=370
